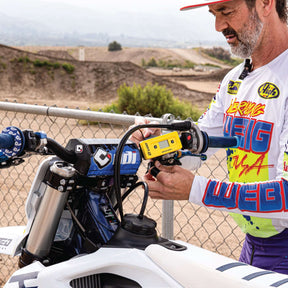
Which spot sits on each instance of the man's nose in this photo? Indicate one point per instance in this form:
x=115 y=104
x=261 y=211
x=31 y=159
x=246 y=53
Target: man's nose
x=220 y=24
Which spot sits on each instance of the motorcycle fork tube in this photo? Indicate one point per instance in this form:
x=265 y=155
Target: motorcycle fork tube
x=59 y=182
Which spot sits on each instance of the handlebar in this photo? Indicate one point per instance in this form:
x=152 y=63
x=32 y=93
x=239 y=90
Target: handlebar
x=6 y=141
x=66 y=155
x=223 y=142
x=13 y=142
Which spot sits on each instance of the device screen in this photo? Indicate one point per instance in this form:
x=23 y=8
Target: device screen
x=163 y=144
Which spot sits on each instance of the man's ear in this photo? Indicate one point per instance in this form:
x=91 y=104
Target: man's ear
x=266 y=6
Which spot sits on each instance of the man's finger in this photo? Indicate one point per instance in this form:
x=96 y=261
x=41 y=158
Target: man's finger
x=165 y=168
x=154 y=171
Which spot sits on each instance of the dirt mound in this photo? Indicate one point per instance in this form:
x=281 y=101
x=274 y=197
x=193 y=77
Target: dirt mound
x=56 y=54
x=26 y=75
x=131 y=54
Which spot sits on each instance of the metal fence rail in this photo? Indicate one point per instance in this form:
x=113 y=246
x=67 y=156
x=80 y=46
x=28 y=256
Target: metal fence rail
x=210 y=229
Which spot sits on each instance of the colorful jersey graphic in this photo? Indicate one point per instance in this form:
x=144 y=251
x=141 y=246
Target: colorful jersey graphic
x=254 y=109
x=251 y=158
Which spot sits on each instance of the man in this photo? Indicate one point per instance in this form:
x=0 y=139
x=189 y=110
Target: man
x=251 y=103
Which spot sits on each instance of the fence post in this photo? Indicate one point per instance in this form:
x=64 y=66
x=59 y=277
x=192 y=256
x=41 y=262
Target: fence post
x=168 y=205
x=167 y=220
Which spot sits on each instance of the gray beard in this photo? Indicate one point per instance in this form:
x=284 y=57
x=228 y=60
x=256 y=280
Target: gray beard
x=248 y=37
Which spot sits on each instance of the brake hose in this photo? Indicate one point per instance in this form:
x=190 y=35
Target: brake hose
x=180 y=126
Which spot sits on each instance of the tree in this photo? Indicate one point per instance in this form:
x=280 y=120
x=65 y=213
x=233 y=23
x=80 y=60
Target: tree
x=114 y=46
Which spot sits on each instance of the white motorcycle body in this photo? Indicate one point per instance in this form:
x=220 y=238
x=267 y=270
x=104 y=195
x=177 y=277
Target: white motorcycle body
x=155 y=266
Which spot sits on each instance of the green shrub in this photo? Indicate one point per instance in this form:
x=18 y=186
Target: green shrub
x=69 y=68
x=38 y=63
x=167 y=64
x=152 y=62
x=222 y=55
x=23 y=60
x=112 y=107
x=152 y=99
x=56 y=65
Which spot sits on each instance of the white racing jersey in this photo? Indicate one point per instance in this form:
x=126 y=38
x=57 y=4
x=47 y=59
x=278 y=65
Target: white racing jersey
x=256 y=110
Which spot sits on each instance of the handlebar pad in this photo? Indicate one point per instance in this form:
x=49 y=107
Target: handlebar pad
x=12 y=142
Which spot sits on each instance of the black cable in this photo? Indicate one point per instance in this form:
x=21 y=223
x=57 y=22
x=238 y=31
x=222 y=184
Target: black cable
x=180 y=126
x=80 y=228
x=145 y=199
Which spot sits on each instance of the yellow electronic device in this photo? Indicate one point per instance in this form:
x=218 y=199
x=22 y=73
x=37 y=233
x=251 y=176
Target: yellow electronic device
x=160 y=145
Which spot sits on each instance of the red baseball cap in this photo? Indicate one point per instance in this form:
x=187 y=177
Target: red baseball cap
x=200 y=3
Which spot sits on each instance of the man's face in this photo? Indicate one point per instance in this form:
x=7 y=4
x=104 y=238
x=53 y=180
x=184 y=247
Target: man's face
x=240 y=26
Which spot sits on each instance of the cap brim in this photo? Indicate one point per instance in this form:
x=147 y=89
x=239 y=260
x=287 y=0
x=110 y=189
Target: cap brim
x=201 y=3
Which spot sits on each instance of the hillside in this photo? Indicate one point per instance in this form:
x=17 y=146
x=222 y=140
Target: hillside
x=29 y=76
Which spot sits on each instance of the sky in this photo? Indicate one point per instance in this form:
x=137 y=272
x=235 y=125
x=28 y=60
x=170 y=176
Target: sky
x=146 y=6
x=130 y=5
x=97 y=15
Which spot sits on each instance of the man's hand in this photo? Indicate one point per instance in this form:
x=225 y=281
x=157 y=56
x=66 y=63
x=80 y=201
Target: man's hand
x=140 y=135
x=171 y=183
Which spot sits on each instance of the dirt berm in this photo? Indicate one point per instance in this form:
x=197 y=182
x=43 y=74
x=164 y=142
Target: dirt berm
x=25 y=76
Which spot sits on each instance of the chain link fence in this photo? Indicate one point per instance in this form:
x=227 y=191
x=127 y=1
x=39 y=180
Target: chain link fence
x=210 y=229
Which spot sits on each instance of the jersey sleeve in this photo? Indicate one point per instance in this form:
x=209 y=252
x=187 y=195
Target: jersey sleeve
x=261 y=199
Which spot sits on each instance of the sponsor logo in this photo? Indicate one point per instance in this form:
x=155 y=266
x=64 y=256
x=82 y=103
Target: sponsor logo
x=79 y=148
x=5 y=242
x=129 y=157
x=103 y=158
x=256 y=197
x=254 y=136
x=233 y=87
x=245 y=108
x=20 y=278
x=268 y=91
